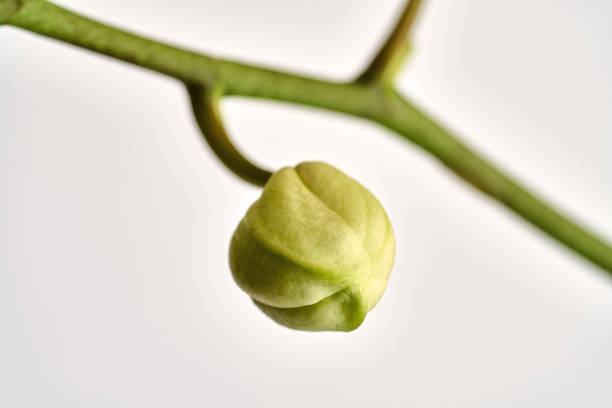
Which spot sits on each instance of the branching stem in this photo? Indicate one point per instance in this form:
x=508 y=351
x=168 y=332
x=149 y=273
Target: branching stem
x=205 y=104
x=393 y=52
x=374 y=101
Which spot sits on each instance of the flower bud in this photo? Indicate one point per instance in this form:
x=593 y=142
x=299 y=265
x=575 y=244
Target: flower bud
x=315 y=251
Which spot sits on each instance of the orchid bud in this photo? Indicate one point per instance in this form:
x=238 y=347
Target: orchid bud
x=315 y=250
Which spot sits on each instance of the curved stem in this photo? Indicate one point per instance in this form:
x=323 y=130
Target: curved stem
x=380 y=104
x=205 y=104
x=7 y=9
x=393 y=52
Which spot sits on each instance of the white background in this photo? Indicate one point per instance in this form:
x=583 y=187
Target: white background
x=115 y=219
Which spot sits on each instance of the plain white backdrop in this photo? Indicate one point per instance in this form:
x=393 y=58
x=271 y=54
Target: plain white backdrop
x=115 y=219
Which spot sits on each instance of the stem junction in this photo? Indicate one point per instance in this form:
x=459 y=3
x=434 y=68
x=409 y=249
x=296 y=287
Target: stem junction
x=371 y=96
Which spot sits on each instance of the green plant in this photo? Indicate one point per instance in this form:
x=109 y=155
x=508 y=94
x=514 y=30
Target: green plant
x=372 y=96
x=315 y=251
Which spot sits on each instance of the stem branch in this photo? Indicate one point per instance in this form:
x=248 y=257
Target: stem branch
x=205 y=104
x=393 y=52
x=375 y=102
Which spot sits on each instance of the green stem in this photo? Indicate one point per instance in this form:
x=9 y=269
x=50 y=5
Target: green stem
x=380 y=104
x=7 y=9
x=393 y=52
x=205 y=104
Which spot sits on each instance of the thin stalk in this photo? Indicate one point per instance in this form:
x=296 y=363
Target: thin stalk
x=378 y=103
x=393 y=52
x=205 y=104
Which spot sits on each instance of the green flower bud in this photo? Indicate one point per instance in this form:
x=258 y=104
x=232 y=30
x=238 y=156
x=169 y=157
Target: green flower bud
x=315 y=251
